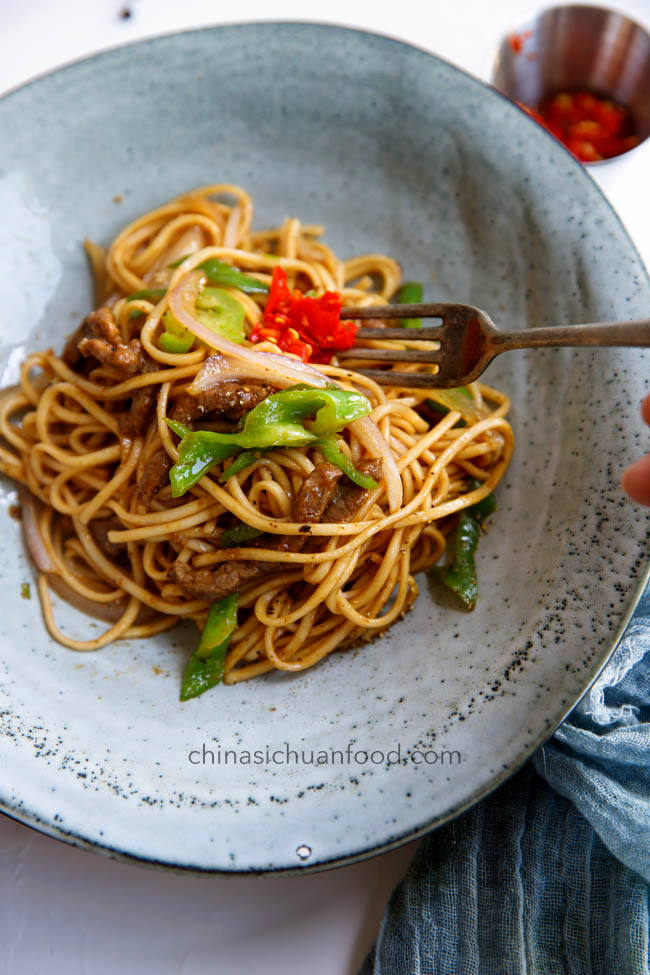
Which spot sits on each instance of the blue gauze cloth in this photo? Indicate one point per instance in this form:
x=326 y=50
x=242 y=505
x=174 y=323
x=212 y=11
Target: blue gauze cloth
x=550 y=875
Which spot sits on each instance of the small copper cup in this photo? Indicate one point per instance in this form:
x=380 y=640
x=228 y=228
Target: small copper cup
x=579 y=47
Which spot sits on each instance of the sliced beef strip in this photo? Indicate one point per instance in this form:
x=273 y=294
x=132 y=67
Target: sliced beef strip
x=348 y=497
x=208 y=585
x=100 y=529
x=92 y=326
x=71 y=354
x=230 y=398
x=98 y=337
x=315 y=495
x=143 y=403
x=154 y=476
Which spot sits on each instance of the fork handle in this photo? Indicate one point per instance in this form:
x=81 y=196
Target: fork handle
x=635 y=333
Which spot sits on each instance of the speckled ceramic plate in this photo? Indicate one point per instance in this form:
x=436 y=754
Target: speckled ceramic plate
x=395 y=151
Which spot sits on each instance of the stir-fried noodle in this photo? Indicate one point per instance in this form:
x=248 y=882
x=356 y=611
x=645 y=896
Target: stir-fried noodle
x=86 y=433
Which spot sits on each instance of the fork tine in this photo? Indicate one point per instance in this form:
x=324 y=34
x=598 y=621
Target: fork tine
x=419 y=380
x=422 y=310
x=432 y=333
x=462 y=344
x=392 y=355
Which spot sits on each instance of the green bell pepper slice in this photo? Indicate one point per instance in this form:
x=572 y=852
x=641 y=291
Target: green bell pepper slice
x=238 y=534
x=243 y=460
x=451 y=400
x=206 y=665
x=221 y=313
x=219 y=273
x=278 y=421
x=150 y=294
x=460 y=575
x=409 y=294
x=176 y=338
x=331 y=451
x=217 y=310
x=482 y=509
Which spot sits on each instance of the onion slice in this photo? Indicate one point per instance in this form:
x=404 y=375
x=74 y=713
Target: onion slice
x=277 y=369
x=232 y=226
x=369 y=434
x=108 y=612
x=189 y=242
x=30 y=508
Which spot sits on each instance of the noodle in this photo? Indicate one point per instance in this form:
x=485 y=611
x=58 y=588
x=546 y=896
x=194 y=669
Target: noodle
x=106 y=541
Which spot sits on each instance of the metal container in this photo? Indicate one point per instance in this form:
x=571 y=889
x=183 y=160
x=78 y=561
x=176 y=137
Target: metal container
x=578 y=47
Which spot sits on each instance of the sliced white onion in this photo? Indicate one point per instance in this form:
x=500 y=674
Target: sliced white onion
x=108 y=612
x=232 y=226
x=190 y=241
x=281 y=370
x=277 y=370
x=30 y=509
x=369 y=434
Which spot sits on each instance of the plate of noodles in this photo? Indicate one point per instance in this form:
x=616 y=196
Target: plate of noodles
x=264 y=612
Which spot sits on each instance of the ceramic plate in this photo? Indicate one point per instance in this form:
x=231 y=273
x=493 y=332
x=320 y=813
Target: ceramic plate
x=394 y=151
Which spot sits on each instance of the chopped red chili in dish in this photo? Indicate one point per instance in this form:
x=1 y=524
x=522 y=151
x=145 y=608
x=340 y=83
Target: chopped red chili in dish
x=302 y=324
x=590 y=126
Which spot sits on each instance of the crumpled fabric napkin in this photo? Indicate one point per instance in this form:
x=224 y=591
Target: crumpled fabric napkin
x=550 y=875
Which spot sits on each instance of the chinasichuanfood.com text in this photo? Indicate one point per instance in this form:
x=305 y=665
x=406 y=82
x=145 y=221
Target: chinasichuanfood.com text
x=351 y=755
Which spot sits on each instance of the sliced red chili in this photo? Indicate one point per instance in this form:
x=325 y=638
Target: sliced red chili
x=307 y=326
x=591 y=127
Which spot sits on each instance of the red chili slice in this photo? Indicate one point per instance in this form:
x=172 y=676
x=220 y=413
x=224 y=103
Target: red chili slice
x=307 y=326
x=591 y=127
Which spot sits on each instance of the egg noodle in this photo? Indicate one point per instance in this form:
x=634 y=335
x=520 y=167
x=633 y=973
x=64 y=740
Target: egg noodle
x=352 y=579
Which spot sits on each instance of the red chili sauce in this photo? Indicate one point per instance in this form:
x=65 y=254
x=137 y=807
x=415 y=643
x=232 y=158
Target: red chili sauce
x=590 y=126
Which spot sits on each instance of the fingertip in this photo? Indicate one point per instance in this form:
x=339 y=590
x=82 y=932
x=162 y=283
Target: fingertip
x=645 y=410
x=636 y=480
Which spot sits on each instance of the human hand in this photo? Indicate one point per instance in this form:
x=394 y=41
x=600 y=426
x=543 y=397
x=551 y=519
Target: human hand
x=636 y=479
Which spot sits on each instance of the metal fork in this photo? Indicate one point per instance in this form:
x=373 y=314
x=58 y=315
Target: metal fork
x=469 y=340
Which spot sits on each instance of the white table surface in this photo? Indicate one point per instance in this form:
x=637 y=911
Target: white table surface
x=66 y=911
